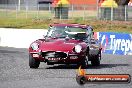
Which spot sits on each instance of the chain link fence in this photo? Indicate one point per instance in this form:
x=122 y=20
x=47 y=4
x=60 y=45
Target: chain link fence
x=121 y=13
x=84 y=12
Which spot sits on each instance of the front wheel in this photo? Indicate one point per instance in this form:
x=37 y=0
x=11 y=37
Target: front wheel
x=33 y=63
x=95 y=60
x=84 y=62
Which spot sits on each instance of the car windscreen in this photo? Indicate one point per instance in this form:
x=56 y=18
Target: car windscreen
x=64 y=31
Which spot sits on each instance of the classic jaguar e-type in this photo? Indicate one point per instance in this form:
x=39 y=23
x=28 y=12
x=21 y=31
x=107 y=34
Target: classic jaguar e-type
x=66 y=44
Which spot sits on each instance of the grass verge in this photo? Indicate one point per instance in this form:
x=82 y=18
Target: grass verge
x=99 y=26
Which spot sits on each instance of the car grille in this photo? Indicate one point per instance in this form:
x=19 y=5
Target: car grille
x=48 y=54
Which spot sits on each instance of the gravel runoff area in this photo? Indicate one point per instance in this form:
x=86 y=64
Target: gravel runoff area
x=15 y=72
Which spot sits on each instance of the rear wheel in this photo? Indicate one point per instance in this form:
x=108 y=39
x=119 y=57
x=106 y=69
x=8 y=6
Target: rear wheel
x=95 y=60
x=33 y=63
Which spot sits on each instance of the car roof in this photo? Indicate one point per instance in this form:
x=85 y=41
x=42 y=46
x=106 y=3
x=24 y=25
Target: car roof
x=70 y=25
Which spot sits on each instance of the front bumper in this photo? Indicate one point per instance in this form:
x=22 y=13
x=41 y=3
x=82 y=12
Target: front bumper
x=58 y=57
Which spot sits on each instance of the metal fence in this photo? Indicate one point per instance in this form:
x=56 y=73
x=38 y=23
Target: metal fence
x=84 y=12
x=123 y=13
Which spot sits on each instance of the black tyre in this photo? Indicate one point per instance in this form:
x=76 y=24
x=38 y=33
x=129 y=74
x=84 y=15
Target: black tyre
x=33 y=63
x=84 y=62
x=95 y=60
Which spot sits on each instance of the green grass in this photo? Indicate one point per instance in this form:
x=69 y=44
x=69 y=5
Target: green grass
x=23 y=23
x=42 y=19
x=31 y=20
x=99 y=26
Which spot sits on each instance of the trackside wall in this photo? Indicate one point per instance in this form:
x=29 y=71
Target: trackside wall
x=20 y=38
x=115 y=43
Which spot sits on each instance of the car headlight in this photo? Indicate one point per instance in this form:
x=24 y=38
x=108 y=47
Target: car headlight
x=78 y=48
x=35 y=46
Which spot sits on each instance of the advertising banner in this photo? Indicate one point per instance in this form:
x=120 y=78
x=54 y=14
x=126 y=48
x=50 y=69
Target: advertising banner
x=115 y=43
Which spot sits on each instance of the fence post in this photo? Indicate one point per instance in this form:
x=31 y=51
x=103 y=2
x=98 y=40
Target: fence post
x=37 y=11
x=49 y=7
x=125 y=12
x=112 y=13
x=72 y=11
x=16 y=11
x=26 y=11
x=84 y=12
x=97 y=5
x=6 y=10
x=60 y=14
x=52 y=12
x=19 y=5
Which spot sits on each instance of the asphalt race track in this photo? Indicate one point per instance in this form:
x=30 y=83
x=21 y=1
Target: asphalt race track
x=15 y=72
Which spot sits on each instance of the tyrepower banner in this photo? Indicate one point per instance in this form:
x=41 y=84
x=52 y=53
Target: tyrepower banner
x=115 y=43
